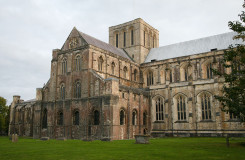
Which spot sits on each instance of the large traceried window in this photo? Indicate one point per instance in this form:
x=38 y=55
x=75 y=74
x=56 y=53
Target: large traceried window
x=209 y=71
x=76 y=117
x=60 y=118
x=122 y=117
x=64 y=66
x=125 y=72
x=96 y=117
x=45 y=118
x=150 y=78
x=206 y=107
x=78 y=63
x=77 y=90
x=100 y=64
x=134 y=117
x=62 y=91
x=113 y=68
x=181 y=108
x=159 y=109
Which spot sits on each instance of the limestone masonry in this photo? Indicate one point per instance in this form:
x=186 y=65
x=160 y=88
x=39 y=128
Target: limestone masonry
x=128 y=87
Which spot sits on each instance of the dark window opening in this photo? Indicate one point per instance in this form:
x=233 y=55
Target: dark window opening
x=45 y=120
x=117 y=40
x=76 y=118
x=144 y=118
x=132 y=37
x=124 y=39
x=122 y=117
x=60 y=118
x=96 y=117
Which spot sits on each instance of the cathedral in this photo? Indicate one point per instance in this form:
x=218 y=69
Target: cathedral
x=129 y=86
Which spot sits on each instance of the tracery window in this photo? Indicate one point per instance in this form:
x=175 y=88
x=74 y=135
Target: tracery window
x=206 y=107
x=100 y=64
x=181 y=108
x=60 y=118
x=78 y=63
x=73 y=43
x=150 y=78
x=96 y=117
x=125 y=71
x=209 y=71
x=112 y=68
x=44 y=118
x=76 y=118
x=78 y=90
x=144 y=118
x=135 y=74
x=62 y=91
x=134 y=117
x=159 y=109
x=64 y=66
x=122 y=117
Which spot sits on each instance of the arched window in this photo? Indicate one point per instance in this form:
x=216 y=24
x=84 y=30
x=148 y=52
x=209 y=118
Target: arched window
x=186 y=73
x=112 y=68
x=209 y=71
x=44 y=119
x=76 y=118
x=132 y=37
x=149 y=78
x=122 y=117
x=206 y=107
x=134 y=117
x=170 y=77
x=135 y=74
x=100 y=64
x=124 y=39
x=96 y=117
x=62 y=91
x=60 y=118
x=181 y=108
x=78 y=63
x=78 y=90
x=159 y=109
x=144 y=118
x=64 y=66
x=125 y=71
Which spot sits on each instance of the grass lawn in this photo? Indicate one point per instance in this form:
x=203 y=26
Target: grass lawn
x=164 y=148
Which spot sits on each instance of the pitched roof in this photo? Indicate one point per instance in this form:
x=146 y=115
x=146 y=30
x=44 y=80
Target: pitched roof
x=100 y=44
x=202 y=45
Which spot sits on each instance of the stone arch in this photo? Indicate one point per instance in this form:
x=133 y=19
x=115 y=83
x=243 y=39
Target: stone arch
x=206 y=68
x=122 y=116
x=180 y=107
x=158 y=108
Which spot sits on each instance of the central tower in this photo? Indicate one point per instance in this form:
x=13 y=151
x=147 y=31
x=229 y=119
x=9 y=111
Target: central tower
x=135 y=37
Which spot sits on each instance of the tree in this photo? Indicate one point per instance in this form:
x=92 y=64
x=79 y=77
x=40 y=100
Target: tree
x=233 y=98
x=4 y=116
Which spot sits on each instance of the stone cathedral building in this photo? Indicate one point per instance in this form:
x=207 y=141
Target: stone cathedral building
x=130 y=86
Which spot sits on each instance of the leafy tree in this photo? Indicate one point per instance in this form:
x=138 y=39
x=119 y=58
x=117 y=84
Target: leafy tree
x=233 y=98
x=4 y=116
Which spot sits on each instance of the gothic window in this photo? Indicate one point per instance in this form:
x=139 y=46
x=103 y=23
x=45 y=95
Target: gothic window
x=60 y=119
x=209 y=71
x=135 y=74
x=122 y=117
x=186 y=73
x=159 y=109
x=132 y=37
x=113 y=68
x=125 y=71
x=134 y=117
x=124 y=39
x=76 y=118
x=181 y=108
x=144 y=118
x=45 y=118
x=117 y=40
x=64 y=66
x=170 y=77
x=78 y=63
x=206 y=107
x=62 y=91
x=100 y=64
x=96 y=117
x=78 y=90
x=149 y=78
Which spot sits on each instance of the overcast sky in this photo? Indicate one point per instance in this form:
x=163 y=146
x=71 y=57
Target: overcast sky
x=29 y=30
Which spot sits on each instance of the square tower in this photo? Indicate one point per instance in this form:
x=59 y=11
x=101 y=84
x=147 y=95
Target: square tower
x=135 y=37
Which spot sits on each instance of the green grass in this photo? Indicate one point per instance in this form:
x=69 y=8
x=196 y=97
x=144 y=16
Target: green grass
x=164 y=148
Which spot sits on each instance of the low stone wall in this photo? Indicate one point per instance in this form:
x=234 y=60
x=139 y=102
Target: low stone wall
x=142 y=139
